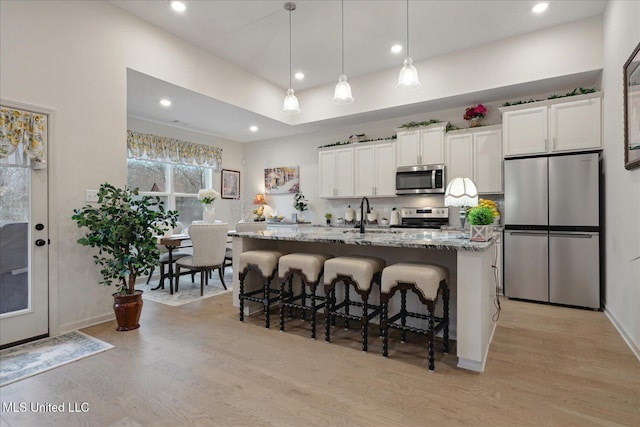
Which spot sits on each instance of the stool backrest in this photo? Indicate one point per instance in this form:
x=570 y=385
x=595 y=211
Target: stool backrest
x=209 y=243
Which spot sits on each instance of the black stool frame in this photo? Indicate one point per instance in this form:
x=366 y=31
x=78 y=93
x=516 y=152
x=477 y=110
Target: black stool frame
x=265 y=299
x=435 y=324
x=288 y=299
x=331 y=309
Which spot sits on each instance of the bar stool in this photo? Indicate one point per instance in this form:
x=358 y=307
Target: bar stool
x=359 y=272
x=309 y=267
x=426 y=281
x=265 y=263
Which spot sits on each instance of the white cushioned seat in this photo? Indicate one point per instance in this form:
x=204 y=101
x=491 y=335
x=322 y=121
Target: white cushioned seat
x=361 y=269
x=425 y=277
x=309 y=264
x=175 y=256
x=265 y=260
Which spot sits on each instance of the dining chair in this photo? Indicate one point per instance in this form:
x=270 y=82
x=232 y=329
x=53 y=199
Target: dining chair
x=209 y=245
x=163 y=259
x=240 y=228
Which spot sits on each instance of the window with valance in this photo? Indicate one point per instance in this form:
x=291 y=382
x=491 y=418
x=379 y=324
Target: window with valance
x=146 y=146
x=23 y=138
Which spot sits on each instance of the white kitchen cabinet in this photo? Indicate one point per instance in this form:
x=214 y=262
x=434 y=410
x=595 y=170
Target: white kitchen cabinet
x=421 y=146
x=576 y=126
x=553 y=126
x=375 y=169
x=476 y=154
x=336 y=167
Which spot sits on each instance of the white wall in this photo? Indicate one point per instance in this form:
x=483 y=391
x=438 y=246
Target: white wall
x=232 y=154
x=622 y=223
x=72 y=57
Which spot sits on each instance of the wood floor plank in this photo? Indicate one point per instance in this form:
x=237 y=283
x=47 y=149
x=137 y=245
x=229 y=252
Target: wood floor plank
x=198 y=365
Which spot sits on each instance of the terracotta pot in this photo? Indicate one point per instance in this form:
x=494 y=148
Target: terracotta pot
x=127 y=308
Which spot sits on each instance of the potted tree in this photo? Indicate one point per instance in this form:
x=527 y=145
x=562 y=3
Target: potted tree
x=480 y=219
x=123 y=226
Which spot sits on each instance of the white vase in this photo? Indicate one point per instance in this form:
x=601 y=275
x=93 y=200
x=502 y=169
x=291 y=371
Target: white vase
x=208 y=213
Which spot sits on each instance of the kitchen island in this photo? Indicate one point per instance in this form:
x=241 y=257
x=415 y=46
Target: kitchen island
x=471 y=281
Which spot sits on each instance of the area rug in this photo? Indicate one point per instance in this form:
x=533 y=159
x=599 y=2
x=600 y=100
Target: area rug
x=189 y=292
x=27 y=360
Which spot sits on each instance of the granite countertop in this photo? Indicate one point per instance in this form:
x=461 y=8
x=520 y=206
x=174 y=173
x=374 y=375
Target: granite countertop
x=397 y=238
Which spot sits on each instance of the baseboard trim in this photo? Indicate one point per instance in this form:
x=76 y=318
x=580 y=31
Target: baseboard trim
x=625 y=336
x=85 y=323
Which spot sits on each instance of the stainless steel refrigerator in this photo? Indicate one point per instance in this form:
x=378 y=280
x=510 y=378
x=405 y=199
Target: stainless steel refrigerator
x=552 y=229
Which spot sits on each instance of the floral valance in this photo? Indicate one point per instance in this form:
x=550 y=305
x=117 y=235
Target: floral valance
x=22 y=136
x=162 y=149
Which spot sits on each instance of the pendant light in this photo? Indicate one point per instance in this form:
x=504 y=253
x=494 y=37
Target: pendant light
x=290 y=105
x=408 y=78
x=342 y=94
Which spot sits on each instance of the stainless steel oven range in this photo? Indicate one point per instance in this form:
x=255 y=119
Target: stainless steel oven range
x=427 y=217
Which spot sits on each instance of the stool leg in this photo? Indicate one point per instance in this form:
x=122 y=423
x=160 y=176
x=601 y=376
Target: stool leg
x=445 y=340
x=384 y=327
x=347 y=304
x=333 y=300
x=291 y=295
x=282 y=307
x=430 y=338
x=265 y=303
x=365 y=321
x=403 y=311
x=303 y=298
x=312 y=289
x=241 y=296
x=327 y=313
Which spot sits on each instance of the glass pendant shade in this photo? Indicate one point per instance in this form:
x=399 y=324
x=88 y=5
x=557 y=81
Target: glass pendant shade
x=461 y=192
x=290 y=105
x=342 y=94
x=408 y=78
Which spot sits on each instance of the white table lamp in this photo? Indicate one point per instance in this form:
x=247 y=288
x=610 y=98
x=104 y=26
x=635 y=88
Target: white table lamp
x=461 y=192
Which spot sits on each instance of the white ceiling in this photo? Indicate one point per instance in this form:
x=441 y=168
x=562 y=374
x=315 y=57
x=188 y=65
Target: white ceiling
x=254 y=36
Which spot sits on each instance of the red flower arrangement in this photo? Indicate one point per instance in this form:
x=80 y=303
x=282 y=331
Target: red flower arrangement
x=475 y=111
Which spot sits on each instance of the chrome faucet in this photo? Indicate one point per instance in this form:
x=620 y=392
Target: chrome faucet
x=362 y=216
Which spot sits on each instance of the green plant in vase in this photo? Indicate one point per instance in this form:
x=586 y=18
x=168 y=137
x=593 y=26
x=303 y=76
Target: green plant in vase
x=124 y=227
x=480 y=219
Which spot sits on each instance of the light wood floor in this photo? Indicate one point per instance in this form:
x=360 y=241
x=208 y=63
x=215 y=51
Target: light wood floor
x=198 y=365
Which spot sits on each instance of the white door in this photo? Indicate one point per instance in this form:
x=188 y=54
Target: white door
x=487 y=161
x=459 y=156
x=408 y=148
x=365 y=170
x=525 y=131
x=24 y=281
x=327 y=168
x=385 y=169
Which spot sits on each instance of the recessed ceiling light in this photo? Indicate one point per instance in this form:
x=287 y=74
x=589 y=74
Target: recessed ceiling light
x=299 y=75
x=178 y=6
x=396 y=48
x=540 y=7
x=165 y=102
x=253 y=128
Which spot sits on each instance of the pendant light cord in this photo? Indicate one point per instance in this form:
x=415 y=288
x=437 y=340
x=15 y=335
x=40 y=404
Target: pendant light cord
x=407 y=28
x=342 y=13
x=289 y=49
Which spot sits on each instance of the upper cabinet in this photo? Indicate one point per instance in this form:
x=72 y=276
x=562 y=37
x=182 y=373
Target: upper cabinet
x=552 y=126
x=476 y=154
x=375 y=169
x=421 y=146
x=336 y=172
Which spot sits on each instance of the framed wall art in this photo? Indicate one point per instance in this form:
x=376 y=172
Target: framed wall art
x=230 y=182
x=282 y=180
x=632 y=110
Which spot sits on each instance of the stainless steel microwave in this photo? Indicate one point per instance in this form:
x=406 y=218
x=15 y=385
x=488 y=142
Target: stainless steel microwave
x=420 y=179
